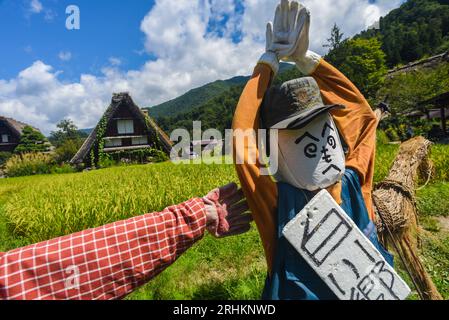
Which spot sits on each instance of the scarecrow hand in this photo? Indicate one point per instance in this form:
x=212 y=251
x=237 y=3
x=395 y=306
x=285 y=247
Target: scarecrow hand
x=226 y=210
x=305 y=60
x=288 y=36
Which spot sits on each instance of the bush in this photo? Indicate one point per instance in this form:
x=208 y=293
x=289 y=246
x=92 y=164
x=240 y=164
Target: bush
x=147 y=155
x=63 y=168
x=31 y=141
x=106 y=161
x=391 y=134
x=28 y=164
x=4 y=156
x=157 y=156
x=67 y=150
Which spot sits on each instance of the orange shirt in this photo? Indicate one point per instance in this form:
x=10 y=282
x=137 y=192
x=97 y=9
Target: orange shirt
x=357 y=125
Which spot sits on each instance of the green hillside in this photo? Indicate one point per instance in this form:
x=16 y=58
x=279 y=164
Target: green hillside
x=416 y=29
x=199 y=96
x=218 y=112
x=194 y=97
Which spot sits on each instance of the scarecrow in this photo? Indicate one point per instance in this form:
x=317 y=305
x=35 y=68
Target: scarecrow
x=321 y=145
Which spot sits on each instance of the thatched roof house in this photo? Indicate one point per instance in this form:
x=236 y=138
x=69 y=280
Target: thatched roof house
x=123 y=128
x=10 y=133
x=431 y=62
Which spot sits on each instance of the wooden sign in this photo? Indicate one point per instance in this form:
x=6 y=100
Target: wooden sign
x=340 y=253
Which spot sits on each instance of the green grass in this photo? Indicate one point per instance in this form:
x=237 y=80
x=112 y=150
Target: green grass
x=385 y=155
x=38 y=208
x=433 y=200
x=42 y=207
x=440 y=158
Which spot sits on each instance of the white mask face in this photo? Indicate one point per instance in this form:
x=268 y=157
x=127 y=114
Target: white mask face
x=311 y=158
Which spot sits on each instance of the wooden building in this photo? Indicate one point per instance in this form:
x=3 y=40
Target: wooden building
x=10 y=133
x=123 y=128
x=440 y=111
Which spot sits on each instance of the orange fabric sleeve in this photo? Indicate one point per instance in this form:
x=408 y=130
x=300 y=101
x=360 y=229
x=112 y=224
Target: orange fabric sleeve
x=357 y=124
x=260 y=190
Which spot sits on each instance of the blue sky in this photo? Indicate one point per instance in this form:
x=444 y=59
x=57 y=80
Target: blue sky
x=154 y=50
x=108 y=29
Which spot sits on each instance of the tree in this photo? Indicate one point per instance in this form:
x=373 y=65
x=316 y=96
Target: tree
x=335 y=39
x=417 y=28
x=31 y=141
x=362 y=61
x=67 y=150
x=405 y=91
x=67 y=131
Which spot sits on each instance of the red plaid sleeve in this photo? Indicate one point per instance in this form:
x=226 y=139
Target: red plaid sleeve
x=107 y=262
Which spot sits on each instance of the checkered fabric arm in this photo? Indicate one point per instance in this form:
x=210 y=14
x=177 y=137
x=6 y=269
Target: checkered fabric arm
x=107 y=262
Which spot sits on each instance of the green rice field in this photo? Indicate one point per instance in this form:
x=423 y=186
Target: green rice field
x=39 y=208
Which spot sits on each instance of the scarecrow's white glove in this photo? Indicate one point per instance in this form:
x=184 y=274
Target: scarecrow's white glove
x=308 y=63
x=305 y=60
x=226 y=211
x=283 y=36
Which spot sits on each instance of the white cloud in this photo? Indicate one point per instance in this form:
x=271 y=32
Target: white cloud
x=114 y=61
x=65 y=55
x=194 y=42
x=36 y=6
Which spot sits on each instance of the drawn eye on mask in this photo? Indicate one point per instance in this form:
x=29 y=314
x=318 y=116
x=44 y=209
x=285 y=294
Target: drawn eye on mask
x=330 y=139
x=310 y=150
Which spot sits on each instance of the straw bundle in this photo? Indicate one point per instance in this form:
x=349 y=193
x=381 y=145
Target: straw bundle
x=395 y=204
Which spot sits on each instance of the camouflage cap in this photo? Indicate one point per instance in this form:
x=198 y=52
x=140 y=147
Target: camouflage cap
x=293 y=104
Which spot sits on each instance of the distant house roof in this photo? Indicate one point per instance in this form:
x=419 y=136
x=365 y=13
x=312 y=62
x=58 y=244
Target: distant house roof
x=441 y=100
x=120 y=99
x=15 y=125
x=424 y=63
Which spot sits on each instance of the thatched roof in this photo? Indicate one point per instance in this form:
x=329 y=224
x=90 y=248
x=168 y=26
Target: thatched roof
x=441 y=100
x=119 y=99
x=16 y=126
x=424 y=63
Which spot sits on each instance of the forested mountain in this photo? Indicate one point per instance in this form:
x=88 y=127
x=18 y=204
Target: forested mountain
x=218 y=112
x=199 y=96
x=215 y=113
x=195 y=97
x=416 y=29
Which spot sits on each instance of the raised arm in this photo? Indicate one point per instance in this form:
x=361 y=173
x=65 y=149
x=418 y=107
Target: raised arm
x=110 y=262
x=260 y=191
x=282 y=38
